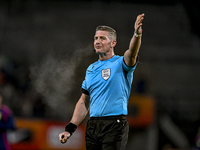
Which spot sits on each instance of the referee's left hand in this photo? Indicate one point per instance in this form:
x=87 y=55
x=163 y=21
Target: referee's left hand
x=63 y=137
x=138 y=24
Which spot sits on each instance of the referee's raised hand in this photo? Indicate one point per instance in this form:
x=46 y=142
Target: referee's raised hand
x=63 y=137
x=138 y=24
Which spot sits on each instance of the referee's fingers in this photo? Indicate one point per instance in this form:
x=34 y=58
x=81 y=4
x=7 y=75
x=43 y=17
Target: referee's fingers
x=63 y=141
x=63 y=137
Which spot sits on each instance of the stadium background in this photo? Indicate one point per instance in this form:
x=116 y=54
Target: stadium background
x=46 y=46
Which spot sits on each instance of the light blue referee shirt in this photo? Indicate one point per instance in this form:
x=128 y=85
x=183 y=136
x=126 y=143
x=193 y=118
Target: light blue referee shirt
x=109 y=85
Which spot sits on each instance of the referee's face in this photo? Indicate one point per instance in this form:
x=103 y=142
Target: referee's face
x=102 y=42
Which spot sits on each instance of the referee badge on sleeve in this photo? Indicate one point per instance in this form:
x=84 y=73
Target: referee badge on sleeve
x=105 y=74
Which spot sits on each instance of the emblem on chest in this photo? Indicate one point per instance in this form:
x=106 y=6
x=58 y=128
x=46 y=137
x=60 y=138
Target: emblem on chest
x=105 y=74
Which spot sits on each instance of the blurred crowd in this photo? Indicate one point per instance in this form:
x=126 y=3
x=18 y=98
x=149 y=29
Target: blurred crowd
x=17 y=91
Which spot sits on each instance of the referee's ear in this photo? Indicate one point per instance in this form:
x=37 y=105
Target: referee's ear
x=113 y=43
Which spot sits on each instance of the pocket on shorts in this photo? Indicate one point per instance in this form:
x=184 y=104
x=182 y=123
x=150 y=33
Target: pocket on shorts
x=116 y=131
x=122 y=125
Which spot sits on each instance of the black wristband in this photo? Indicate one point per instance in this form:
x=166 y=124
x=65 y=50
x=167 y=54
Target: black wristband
x=70 y=127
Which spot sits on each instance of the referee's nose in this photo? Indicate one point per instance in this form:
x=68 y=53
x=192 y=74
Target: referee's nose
x=97 y=40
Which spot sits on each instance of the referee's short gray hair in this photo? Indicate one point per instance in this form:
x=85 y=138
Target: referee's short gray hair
x=111 y=31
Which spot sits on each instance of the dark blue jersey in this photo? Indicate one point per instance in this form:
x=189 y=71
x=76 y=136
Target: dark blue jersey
x=6 y=122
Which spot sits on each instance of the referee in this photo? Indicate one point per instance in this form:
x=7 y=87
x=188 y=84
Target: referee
x=108 y=85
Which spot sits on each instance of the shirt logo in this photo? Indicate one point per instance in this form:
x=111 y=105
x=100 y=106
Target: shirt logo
x=105 y=74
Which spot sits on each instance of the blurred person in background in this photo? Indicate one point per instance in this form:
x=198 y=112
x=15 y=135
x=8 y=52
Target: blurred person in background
x=6 y=123
x=197 y=140
x=108 y=85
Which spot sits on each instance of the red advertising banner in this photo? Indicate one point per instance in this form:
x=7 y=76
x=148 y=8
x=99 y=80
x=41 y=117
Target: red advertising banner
x=43 y=135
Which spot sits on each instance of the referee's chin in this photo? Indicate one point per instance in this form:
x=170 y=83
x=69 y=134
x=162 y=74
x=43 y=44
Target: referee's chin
x=97 y=51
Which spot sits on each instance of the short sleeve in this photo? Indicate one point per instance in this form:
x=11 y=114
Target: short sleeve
x=127 y=68
x=84 y=88
x=84 y=85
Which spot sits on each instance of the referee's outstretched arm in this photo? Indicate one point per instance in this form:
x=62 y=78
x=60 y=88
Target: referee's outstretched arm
x=130 y=56
x=79 y=114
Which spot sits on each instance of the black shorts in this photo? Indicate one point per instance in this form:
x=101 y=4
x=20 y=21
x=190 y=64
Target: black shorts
x=107 y=133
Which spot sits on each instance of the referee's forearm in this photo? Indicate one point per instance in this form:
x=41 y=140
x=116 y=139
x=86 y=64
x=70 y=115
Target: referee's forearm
x=80 y=112
x=134 y=46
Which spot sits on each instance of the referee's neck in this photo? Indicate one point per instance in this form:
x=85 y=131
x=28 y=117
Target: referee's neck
x=106 y=56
